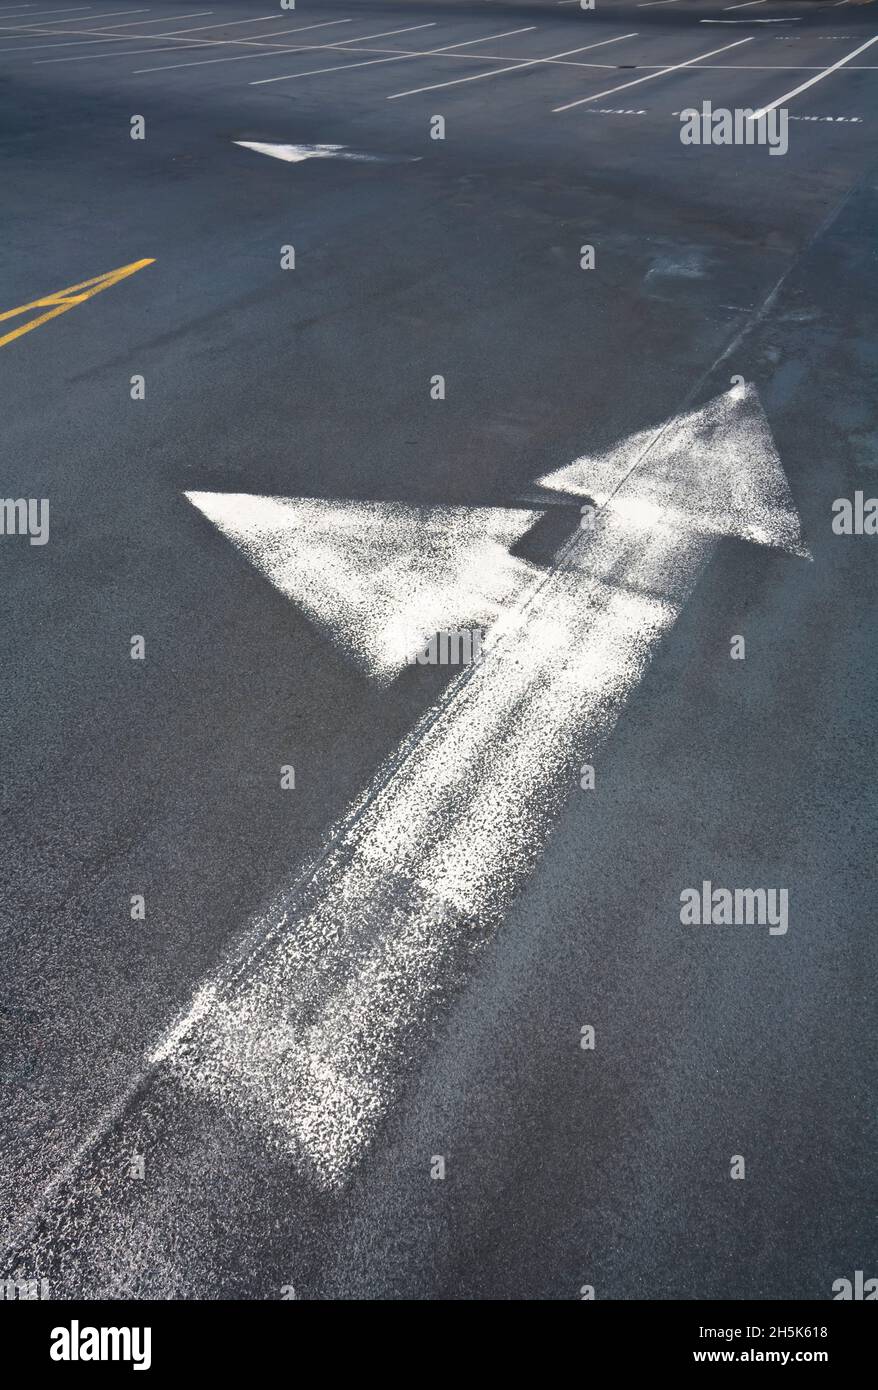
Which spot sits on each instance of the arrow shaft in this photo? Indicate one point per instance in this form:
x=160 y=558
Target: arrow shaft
x=307 y=1039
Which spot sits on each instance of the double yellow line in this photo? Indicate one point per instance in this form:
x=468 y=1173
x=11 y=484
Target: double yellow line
x=61 y=300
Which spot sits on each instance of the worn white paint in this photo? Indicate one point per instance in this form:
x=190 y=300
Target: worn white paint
x=379 y=578
x=715 y=470
x=295 y=154
x=306 y=1033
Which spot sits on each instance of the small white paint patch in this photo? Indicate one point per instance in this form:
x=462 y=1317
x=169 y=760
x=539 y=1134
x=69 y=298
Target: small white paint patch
x=613 y=111
x=687 y=267
x=337 y=1000
x=379 y=578
x=836 y=120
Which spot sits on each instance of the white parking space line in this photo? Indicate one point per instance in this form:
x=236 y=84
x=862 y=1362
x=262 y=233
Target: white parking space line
x=196 y=43
x=399 y=58
x=651 y=76
x=217 y=24
x=788 y=96
x=67 y=9
x=651 y=4
x=342 y=45
x=385 y=33
x=88 y=43
x=119 y=53
x=101 y=35
x=28 y=31
x=275 y=49
x=26 y=28
x=73 y=8
x=765 y=67
x=166 y=19
x=515 y=67
x=611 y=67
x=745 y=5
x=195 y=28
x=445 y=52
x=312 y=72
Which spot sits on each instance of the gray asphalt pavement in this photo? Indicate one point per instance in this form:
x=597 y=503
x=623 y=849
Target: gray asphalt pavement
x=564 y=1166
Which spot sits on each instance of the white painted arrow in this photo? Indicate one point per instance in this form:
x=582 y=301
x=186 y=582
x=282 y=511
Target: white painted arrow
x=295 y=154
x=379 y=578
x=307 y=1033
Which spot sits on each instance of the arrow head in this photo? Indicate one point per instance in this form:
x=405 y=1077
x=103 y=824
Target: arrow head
x=380 y=578
x=715 y=470
x=291 y=154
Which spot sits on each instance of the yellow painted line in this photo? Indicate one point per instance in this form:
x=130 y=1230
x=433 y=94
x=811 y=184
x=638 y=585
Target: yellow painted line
x=59 y=301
